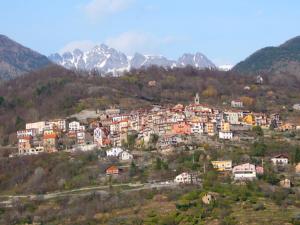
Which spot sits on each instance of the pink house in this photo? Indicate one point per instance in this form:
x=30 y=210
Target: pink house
x=245 y=171
x=259 y=170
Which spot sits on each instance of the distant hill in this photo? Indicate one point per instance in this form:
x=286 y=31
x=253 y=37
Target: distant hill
x=282 y=59
x=16 y=59
x=109 y=60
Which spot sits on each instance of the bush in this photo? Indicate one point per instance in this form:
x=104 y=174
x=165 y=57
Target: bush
x=259 y=206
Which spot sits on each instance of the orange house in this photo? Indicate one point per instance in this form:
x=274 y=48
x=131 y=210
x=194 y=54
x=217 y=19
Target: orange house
x=50 y=142
x=112 y=170
x=181 y=128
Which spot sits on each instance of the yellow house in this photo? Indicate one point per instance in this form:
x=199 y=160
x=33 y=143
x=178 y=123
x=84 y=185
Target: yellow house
x=225 y=126
x=210 y=128
x=249 y=119
x=222 y=165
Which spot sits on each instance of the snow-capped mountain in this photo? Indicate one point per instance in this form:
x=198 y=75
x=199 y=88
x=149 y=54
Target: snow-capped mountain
x=106 y=60
x=225 y=67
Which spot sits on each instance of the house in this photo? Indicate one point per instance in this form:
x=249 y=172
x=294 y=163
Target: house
x=24 y=144
x=259 y=80
x=80 y=137
x=99 y=136
x=225 y=126
x=169 y=140
x=210 y=128
x=125 y=156
x=75 y=126
x=244 y=172
x=232 y=117
x=225 y=135
x=286 y=183
x=113 y=170
x=39 y=126
x=280 y=159
x=296 y=106
x=152 y=83
x=114 y=152
x=84 y=147
x=33 y=151
x=237 y=104
x=259 y=170
x=26 y=133
x=223 y=165
x=50 y=142
x=249 y=119
x=57 y=124
x=181 y=128
x=186 y=178
x=209 y=197
x=197 y=128
x=183 y=178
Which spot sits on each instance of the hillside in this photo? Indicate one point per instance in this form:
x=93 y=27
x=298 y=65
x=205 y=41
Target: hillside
x=16 y=59
x=55 y=92
x=282 y=59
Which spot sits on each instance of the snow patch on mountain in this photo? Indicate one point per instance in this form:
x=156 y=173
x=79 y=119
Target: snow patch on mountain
x=109 y=60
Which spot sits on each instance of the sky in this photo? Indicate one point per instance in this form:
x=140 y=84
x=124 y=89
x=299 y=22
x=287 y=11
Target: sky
x=226 y=31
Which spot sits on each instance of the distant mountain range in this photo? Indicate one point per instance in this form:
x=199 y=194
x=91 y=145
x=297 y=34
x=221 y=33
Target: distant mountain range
x=109 y=60
x=16 y=59
x=278 y=60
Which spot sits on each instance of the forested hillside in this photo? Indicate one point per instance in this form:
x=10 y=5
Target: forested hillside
x=282 y=59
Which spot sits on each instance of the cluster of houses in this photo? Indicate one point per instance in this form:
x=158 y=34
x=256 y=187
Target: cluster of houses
x=112 y=128
x=247 y=171
x=242 y=172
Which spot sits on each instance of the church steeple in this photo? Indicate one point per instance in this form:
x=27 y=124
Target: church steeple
x=197 y=100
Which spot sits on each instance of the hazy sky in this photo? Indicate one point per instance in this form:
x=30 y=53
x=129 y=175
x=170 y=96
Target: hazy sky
x=226 y=31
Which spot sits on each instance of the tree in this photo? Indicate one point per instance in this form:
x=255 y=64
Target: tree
x=258 y=131
x=259 y=148
x=1 y=100
x=297 y=155
x=210 y=91
x=133 y=169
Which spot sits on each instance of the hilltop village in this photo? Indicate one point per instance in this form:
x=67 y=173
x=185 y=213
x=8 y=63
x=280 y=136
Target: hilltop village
x=168 y=126
x=165 y=127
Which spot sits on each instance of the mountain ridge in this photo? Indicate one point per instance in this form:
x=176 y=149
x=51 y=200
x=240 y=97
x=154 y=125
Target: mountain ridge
x=284 y=58
x=16 y=59
x=109 y=60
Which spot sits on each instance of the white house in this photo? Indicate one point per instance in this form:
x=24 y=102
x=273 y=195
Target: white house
x=236 y=104
x=197 y=128
x=75 y=126
x=232 y=117
x=296 y=106
x=98 y=136
x=84 y=147
x=125 y=156
x=114 y=152
x=280 y=160
x=26 y=133
x=245 y=171
x=183 y=178
x=33 y=151
x=226 y=135
x=39 y=126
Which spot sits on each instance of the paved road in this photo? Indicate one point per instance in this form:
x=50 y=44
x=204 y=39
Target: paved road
x=85 y=191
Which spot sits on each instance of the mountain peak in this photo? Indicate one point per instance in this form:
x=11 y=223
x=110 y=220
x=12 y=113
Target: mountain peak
x=15 y=59
x=106 y=59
